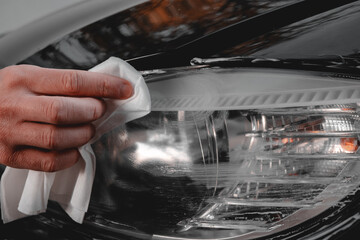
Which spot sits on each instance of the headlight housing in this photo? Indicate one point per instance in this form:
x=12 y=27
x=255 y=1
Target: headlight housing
x=228 y=153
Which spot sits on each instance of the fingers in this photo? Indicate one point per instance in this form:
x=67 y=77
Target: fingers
x=45 y=114
x=48 y=161
x=46 y=147
x=61 y=110
x=76 y=83
x=51 y=137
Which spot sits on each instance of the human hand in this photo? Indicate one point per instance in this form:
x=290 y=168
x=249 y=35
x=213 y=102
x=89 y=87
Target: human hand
x=46 y=114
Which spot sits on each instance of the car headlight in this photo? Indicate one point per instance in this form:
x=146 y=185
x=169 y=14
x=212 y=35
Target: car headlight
x=229 y=153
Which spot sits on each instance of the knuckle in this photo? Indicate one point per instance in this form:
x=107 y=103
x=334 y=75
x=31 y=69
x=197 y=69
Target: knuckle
x=49 y=138
x=10 y=109
x=49 y=164
x=8 y=158
x=6 y=161
x=6 y=134
x=11 y=76
x=104 y=87
x=71 y=81
x=6 y=111
x=54 y=110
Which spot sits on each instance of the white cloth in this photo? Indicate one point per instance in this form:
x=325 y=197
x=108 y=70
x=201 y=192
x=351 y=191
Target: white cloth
x=26 y=192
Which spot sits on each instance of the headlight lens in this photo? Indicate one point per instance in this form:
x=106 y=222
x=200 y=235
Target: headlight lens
x=249 y=170
x=217 y=158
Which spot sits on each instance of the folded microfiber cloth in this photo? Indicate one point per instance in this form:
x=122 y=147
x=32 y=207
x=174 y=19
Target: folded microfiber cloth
x=26 y=192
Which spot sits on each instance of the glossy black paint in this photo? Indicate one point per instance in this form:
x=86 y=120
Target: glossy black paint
x=291 y=29
x=157 y=26
x=215 y=43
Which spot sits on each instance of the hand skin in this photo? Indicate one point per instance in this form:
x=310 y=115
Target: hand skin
x=46 y=114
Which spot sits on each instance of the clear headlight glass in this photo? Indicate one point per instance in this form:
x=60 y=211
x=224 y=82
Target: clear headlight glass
x=189 y=171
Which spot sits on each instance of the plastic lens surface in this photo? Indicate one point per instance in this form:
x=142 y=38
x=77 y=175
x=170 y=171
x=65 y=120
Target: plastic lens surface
x=215 y=174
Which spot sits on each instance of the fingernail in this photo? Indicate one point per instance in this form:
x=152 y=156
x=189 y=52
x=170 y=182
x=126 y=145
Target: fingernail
x=126 y=91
